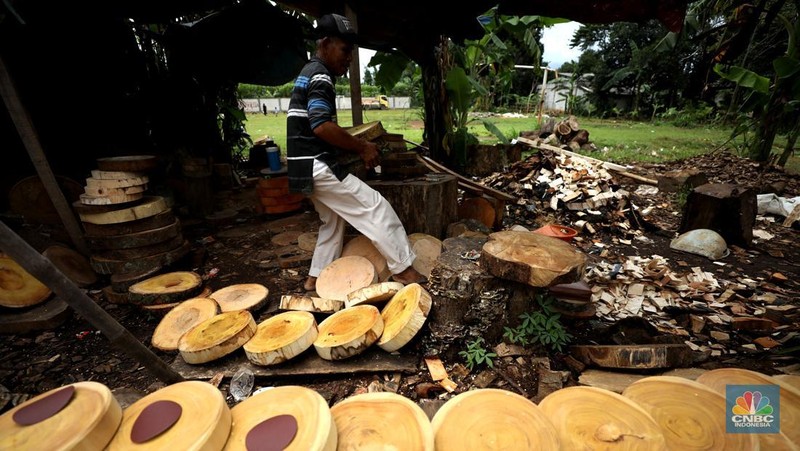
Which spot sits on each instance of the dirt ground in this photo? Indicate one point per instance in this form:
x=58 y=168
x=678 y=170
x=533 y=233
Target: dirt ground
x=238 y=249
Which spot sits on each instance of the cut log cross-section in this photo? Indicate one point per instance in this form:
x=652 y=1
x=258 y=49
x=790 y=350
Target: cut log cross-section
x=166 y=288
x=427 y=249
x=532 y=258
x=374 y=294
x=382 y=421
x=181 y=319
x=310 y=304
x=349 y=332
x=18 y=288
x=363 y=247
x=150 y=206
x=345 y=275
x=243 y=296
x=74 y=265
x=404 y=316
x=217 y=337
x=282 y=337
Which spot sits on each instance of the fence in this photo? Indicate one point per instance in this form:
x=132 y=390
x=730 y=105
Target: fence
x=282 y=104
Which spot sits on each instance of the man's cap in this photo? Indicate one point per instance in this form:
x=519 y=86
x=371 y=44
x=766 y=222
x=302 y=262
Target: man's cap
x=336 y=25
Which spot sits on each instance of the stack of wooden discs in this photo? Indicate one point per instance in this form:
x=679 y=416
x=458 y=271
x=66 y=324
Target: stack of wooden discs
x=26 y=304
x=573 y=300
x=402 y=165
x=274 y=196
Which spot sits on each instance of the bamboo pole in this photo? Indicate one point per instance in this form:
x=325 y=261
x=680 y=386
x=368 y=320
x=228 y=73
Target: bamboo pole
x=30 y=139
x=41 y=268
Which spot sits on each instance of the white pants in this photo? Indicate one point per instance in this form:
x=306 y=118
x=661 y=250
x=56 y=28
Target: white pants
x=353 y=201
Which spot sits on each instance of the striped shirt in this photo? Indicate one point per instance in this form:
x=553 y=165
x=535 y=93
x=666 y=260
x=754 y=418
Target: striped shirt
x=313 y=103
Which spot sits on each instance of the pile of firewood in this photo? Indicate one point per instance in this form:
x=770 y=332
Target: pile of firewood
x=565 y=133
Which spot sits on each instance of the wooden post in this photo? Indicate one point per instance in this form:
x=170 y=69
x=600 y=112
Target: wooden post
x=355 y=73
x=31 y=141
x=41 y=268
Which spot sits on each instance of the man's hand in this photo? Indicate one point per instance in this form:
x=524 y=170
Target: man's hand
x=369 y=153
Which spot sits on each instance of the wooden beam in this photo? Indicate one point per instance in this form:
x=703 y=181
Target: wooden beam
x=30 y=139
x=355 y=73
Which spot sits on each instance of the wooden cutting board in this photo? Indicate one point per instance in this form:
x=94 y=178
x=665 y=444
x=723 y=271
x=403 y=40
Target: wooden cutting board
x=150 y=206
x=382 y=421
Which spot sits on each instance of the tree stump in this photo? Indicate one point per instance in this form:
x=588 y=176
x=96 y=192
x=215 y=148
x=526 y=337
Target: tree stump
x=725 y=208
x=483 y=160
x=469 y=302
x=425 y=205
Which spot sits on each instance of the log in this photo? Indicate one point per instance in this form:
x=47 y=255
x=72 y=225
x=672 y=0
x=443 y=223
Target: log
x=18 y=288
x=404 y=316
x=373 y=294
x=700 y=411
x=362 y=246
x=423 y=205
x=310 y=304
x=465 y=183
x=181 y=319
x=484 y=160
x=685 y=179
x=203 y=419
x=243 y=296
x=84 y=415
x=634 y=356
x=492 y=419
x=72 y=264
x=594 y=418
x=368 y=132
x=349 y=332
x=532 y=258
x=281 y=338
x=345 y=275
x=581 y=137
x=725 y=208
x=217 y=337
x=313 y=429
x=426 y=251
x=382 y=421
x=166 y=288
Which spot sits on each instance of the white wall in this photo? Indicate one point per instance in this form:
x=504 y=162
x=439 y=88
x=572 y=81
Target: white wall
x=342 y=103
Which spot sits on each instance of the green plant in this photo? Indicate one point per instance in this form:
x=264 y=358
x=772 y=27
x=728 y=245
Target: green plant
x=541 y=326
x=682 y=196
x=477 y=355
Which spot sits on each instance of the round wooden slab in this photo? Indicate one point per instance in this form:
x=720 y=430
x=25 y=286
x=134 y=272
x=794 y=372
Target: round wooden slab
x=348 y=332
x=181 y=319
x=691 y=415
x=373 y=294
x=217 y=337
x=307 y=241
x=160 y=220
x=204 y=420
x=243 y=296
x=790 y=398
x=426 y=251
x=345 y=275
x=363 y=247
x=382 y=421
x=286 y=238
x=492 y=419
x=45 y=316
x=88 y=420
x=414 y=237
x=281 y=338
x=137 y=239
x=29 y=198
x=316 y=430
x=18 y=288
x=149 y=206
x=368 y=131
x=74 y=265
x=128 y=163
x=595 y=418
x=404 y=316
x=166 y=288
x=104 y=265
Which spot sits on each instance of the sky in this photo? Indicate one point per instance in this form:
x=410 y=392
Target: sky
x=555 y=40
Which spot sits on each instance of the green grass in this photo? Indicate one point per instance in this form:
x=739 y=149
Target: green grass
x=618 y=141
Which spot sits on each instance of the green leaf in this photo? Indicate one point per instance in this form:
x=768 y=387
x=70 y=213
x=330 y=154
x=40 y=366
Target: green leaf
x=458 y=86
x=495 y=131
x=390 y=70
x=744 y=77
x=786 y=66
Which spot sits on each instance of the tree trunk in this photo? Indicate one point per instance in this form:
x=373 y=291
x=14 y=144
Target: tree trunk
x=438 y=122
x=728 y=209
x=791 y=140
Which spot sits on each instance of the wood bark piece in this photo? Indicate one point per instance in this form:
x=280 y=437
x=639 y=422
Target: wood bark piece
x=181 y=319
x=382 y=421
x=725 y=208
x=104 y=265
x=426 y=251
x=310 y=304
x=136 y=239
x=150 y=206
x=45 y=316
x=349 y=332
x=790 y=400
x=166 y=288
x=593 y=418
x=88 y=421
x=531 y=258
x=425 y=204
x=243 y=296
x=404 y=316
x=281 y=338
x=634 y=356
x=18 y=288
x=111 y=199
x=217 y=337
x=373 y=294
x=345 y=275
x=74 y=265
x=128 y=163
x=362 y=246
x=124 y=228
x=316 y=430
x=691 y=415
x=492 y=419
x=204 y=423
x=307 y=241
x=94 y=183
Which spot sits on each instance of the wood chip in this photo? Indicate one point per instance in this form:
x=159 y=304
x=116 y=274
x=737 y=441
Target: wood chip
x=436 y=368
x=448 y=385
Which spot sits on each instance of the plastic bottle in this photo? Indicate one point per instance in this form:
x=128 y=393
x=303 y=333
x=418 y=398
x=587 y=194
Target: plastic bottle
x=241 y=384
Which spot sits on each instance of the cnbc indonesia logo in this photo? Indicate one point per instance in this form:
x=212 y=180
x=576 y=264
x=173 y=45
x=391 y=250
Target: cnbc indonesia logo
x=753 y=409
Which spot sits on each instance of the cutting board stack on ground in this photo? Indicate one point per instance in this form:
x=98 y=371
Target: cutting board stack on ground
x=131 y=234
x=654 y=413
